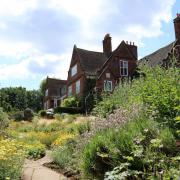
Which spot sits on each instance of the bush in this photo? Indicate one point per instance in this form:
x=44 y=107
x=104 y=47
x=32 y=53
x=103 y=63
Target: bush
x=157 y=91
x=4 y=121
x=128 y=144
x=28 y=114
x=70 y=102
x=69 y=110
x=63 y=155
x=34 y=149
x=83 y=127
x=17 y=115
x=42 y=113
x=62 y=139
x=11 y=159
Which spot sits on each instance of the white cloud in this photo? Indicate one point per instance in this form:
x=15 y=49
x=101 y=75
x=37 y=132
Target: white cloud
x=16 y=7
x=123 y=19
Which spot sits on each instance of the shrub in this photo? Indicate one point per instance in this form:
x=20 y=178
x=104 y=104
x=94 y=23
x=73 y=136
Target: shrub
x=83 y=127
x=17 y=115
x=157 y=91
x=63 y=155
x=4 y=121
x=99 y=155
x=63 y=138
x=69 y=110
x=28 y=114
x=128 y=144
x=11 y=159
x=42 y=113
x=70 y=102
x=34 y=149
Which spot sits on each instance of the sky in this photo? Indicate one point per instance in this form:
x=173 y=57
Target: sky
x=37 y=36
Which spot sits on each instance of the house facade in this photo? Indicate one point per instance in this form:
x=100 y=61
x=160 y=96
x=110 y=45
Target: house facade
x=100 y=70
x=164 y=55
x=55 y=92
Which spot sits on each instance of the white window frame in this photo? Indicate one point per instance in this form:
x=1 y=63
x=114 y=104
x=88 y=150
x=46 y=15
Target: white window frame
x=69 y=90
x=74 y=70
x=105 y=89
x=78 y=86
x=123 y=65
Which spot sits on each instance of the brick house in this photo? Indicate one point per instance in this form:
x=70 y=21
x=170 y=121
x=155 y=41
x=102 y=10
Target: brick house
x=105 y=69
x=55 y=91
x=164 y=55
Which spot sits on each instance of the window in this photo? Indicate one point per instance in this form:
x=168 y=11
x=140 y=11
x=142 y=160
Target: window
x=107 y=85
x=78 y=87
x=108 y=75
x=62 y=91
x=46 y=92
x=74 y=70
x=69 y=90
x=55 y=103
x=124 y=68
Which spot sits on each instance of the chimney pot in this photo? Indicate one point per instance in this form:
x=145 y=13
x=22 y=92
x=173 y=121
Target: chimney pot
x=126 y=42
x=130 y=42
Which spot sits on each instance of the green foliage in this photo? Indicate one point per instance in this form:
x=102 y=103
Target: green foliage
x=17 y=115
x=70 y=102
x=42 y=113
x=11 y=160
x=28 y=114
x=158 y=91
x=69 y=110
x=35 y=150
x=42 y=87
x=4 y=121
x=63 y=155
x=120 y=97
x=83 y=127
x=141 y=143
x=18 y=99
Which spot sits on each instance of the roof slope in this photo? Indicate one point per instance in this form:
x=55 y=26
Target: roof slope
x=157 y=57
x=91 y=61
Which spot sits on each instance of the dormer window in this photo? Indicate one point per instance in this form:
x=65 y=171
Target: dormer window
x=74 y=70
x=123 y=68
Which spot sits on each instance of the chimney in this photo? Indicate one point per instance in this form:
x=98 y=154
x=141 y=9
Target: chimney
x=133 y=49
x=107 y=47
x=177 y=27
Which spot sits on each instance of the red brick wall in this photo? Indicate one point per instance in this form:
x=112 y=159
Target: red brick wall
x=73 y=79
x=114 y=66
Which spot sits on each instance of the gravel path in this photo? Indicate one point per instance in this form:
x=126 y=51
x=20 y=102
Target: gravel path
x=34 y=170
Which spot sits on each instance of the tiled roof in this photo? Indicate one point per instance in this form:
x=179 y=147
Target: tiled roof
x=91 y=61
x=157 y=57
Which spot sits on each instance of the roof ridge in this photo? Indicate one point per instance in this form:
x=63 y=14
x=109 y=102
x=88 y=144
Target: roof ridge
x=159 y=49
x=89 y=50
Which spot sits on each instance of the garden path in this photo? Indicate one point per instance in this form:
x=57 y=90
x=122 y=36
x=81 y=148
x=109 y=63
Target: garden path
x=34 y=170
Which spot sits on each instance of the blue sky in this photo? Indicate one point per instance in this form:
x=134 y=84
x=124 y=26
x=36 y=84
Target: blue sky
x=37 y=36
